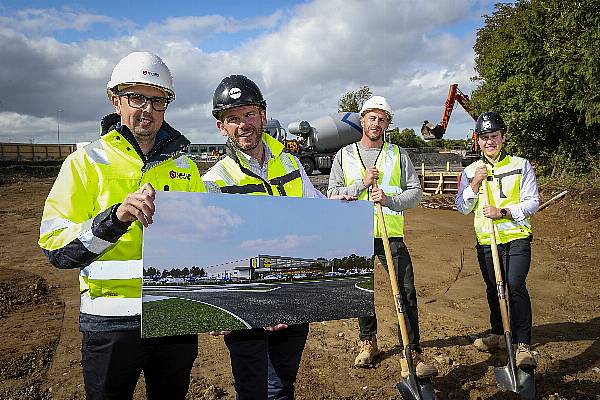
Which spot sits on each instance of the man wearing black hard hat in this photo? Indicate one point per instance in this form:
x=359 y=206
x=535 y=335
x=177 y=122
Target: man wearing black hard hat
x=264 y=361
x=514 y=199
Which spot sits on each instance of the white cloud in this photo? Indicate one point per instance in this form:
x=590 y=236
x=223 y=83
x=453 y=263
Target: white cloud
x=188 y=219
x=40 y=21
x=272 y=246
x=209 y=25
x=304 y=59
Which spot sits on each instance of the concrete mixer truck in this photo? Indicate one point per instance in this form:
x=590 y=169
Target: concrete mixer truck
x=318 y=141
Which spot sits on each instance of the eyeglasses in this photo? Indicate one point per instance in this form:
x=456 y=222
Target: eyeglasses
x=137 y=100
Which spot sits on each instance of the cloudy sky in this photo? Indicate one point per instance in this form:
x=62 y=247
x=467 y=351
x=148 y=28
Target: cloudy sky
x=206 y=229
x=56 y=58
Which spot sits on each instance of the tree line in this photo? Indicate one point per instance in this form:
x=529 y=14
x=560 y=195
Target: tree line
x=175 y=272
x=351 y=262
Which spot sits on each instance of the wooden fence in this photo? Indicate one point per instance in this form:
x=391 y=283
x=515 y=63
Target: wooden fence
x=28 y=152
x=439 y=182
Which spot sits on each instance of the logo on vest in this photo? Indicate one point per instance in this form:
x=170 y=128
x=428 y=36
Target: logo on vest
x=179 y=175
x=235 y=93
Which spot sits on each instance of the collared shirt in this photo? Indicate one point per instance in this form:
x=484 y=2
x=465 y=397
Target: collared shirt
x=466 y=199
x=308 y=190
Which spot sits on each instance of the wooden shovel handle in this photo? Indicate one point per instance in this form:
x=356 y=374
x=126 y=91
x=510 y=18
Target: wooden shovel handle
x=500 y=286
x=392 y=274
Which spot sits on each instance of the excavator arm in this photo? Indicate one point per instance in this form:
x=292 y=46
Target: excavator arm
x=429 y=131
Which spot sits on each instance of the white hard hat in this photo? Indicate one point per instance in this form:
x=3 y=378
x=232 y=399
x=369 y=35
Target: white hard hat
x=376 y=103
x=142 y=68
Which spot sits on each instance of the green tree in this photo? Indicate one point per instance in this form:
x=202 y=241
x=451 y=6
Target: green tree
x=353 y=100
x=406 y=138
x=538 y=65
x=197 y=271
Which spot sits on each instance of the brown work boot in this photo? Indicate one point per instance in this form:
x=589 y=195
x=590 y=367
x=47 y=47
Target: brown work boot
x=524 y=358
x=423 y=370
x=491 y=343
x=368 y=352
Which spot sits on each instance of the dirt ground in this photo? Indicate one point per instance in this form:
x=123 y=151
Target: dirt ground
x=40 y=346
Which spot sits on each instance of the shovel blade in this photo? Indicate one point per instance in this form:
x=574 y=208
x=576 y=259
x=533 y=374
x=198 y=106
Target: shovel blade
x=407 y=392
x=517 y=381
x=416 y=389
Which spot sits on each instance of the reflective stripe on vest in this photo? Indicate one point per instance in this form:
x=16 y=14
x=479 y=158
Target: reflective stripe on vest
x=96 y=153
x=54 y=224
x=91 y=242
x=182 y=162
x=388 y=163
x=283 y=173
x=111 y=288
x=111 y=306
x=505 y=190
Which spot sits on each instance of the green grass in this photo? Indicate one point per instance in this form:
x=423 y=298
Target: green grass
x=366 y=284
x=179 y=317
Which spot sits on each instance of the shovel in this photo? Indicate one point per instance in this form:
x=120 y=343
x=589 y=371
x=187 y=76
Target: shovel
x=412 y=388
x=508 y=378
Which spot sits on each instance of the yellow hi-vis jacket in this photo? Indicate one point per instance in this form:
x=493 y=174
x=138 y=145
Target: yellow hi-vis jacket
x=233 y=175
x=504 y=190
x=390 y=173
x=79 y=228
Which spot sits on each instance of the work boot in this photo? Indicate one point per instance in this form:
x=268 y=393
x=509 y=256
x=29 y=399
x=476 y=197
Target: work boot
x=524 y=358
x=423 y=370
x=491 y=343
x=368 y=352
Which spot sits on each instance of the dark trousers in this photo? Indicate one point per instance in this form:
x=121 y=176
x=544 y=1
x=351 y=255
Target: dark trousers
x=406 y=285
x=265 y=364
x=112 y=363
x=515 y=259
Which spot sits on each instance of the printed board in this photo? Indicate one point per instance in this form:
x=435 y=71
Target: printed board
x=215 y=262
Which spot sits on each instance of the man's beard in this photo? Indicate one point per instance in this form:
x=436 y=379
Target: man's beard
x=236 y=143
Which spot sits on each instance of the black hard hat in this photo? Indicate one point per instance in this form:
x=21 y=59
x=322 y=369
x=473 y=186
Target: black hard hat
x=489 y=122
x=235 y=91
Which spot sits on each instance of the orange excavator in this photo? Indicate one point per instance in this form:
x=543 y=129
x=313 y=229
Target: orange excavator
x=430 y=132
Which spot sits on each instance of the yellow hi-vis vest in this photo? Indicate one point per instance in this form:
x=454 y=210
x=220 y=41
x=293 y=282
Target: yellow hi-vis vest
x=504 y=190
x=235 y=176
x=390 y=173
x=91 y=180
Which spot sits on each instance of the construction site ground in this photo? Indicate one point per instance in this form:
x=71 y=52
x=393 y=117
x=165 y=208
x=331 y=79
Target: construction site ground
x=39 y=305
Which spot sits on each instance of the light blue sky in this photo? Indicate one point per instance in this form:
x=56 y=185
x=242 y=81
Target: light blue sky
x=206 y=229
x=304 y=55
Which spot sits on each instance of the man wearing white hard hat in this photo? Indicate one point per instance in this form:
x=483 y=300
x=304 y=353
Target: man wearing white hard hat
x=93 y=221
x=355 y=169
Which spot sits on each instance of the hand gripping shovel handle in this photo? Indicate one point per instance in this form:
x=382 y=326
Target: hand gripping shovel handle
x=411 y=389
